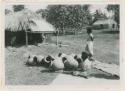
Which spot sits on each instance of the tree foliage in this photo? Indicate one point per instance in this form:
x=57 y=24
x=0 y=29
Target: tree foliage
x=42 y=12
x=18 y=7
x=68 y=16
x=116 y=9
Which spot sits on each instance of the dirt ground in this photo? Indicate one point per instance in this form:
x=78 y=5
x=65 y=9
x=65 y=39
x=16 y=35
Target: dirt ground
x=106 y=49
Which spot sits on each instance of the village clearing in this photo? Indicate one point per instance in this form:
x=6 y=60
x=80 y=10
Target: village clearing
x=106 y=49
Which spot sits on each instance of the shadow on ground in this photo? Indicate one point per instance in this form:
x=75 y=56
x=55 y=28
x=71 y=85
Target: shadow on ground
x=106 y=76
x=110 y=32
x=97 y=75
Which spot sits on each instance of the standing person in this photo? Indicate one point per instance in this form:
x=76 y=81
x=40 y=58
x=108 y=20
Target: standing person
x=89 y=45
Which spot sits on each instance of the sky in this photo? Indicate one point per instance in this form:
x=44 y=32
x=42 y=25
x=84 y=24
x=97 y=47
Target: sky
x=93 y=8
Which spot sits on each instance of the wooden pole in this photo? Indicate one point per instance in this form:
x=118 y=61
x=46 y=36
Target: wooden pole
x=26 y=38
x=57 y=38
x=44 y=37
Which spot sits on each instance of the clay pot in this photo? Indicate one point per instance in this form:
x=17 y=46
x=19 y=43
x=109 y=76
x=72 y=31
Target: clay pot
x=40 y=59
x=57 y=64
x=32 y=60
x=46 y=62
x=71 y=63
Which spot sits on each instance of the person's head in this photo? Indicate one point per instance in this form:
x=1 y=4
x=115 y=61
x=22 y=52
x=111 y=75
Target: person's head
x=84 y=56
x=89 y=30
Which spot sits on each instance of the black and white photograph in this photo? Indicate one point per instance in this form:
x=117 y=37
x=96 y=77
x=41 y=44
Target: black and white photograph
x=62 y=44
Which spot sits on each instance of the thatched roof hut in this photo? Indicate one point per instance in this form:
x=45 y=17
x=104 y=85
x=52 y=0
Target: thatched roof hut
x=109 y=22
x=26 y=20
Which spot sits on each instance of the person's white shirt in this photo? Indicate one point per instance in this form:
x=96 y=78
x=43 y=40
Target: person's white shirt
x=89 y=45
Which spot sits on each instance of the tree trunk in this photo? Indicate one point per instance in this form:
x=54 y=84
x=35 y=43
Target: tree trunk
x=63 y=31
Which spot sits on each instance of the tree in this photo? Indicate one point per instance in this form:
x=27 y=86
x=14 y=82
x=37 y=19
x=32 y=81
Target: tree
x=42 y=12
x=68 y=16
x=116 y=9
x=18 y=7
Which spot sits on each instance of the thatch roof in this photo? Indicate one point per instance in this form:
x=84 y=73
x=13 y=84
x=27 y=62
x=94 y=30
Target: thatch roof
x=19 y=21
x=105 y=21
x=7 y=11
x=41 y=25
x=26 y=19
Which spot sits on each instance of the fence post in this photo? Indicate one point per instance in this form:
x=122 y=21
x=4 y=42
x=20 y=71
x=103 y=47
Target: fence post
x=26 y=38
x=57 y=38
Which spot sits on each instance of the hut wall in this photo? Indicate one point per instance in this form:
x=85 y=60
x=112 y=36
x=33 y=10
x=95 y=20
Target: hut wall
x=101 y=26
x=18 y=38
x=14 y=38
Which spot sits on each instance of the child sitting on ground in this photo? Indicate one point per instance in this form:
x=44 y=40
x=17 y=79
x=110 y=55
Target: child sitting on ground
x=85 y=65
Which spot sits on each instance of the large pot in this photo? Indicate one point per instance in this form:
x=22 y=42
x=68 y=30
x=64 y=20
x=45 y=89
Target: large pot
x=57 y=64
x=71 y=63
